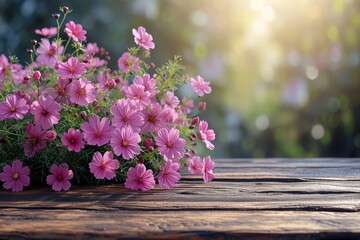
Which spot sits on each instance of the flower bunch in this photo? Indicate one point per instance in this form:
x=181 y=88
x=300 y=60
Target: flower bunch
x=66 y=116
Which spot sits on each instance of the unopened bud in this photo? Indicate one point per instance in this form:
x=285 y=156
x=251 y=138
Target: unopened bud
x=148 y=142
x=151 y=149
x=29 y=51
x=141 y=160
x=202 y=106
x=152 y=65
x=37 y=75
x=26 y=78
x=56 y=16
x=33 y=42
x=83 y=114
x=65 y=9
x=195 y=121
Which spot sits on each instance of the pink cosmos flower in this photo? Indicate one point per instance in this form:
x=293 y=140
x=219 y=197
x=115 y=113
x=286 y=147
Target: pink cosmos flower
x=105 y=82
x=206 y=135
x=138 y=94
x=170 y=100
x=171 y=146
x=125 y=142
x=48 y=53
x=195 y=165
x=46 y=112
x=82 y=92
x=72 y=68
x=73 y=140
x=170 y=115
x=200 y=86
x=59 y=177
x=143 y=39
x=139 y=178
x=4 y=65
x=128 y=63
x=13 y=107
x=104 y=166
x=36 y=139
x=15 y=177
x=51 y=135
x=61 y=86
x=208 y=174
x=97 y=132
x=47 y=32
x=148 y=82
x=187 y=105
x=75 y=31
x=169 y=175
x=126 y=114
x=91 y=49
x=154 y=118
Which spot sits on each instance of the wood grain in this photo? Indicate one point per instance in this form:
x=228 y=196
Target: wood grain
x=249 y=199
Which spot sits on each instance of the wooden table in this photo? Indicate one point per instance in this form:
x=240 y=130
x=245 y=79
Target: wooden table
x=250 y=199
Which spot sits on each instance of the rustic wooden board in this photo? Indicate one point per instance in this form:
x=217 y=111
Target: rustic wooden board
x=250 y=199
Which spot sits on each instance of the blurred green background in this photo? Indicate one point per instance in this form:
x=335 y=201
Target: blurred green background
x=285 y=74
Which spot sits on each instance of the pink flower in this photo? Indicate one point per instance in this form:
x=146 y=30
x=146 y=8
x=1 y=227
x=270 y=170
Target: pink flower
x=82 y=92
x=208 y=174
x=170 y=100
x=140 y=178
x=138 y=94
x=73 y=140
x=128 y=63
x=171 y=146
x=46 y=111
x=75 y=31
x=195 y=165
x=154 y=118
x=97 y=132
x=148 y=82
x=187 y=105
x=125 y=142
x=169 y=175
x=48 y=53
x=143 y=39
x=59 y=177
x=47 y=32
x=13 y=107
x=36 y=139
x=105 y=82
x=15 y=177
x=200 y=86
x=126 y=114
x=91 y=49
x=206 y=135
x=72 y=68
x=104 y=166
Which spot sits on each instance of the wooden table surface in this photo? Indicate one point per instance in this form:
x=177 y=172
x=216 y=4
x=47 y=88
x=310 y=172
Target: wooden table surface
x=250 y=199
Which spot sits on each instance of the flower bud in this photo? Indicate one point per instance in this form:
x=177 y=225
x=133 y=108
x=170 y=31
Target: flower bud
x=51 y=135
x=83 y=114
x=193 y=151
x=65 y=9
x=202 y=106
x=33 y=42
x=141 y=160
x=151 y=149
x=148 y=142
x=152 y=65
x=194 y=135
x=195 y=121
x=29 y=51
x=191 y=127
x=26 y=78
x=75 y=115
x=36 y=75
x=56 y=16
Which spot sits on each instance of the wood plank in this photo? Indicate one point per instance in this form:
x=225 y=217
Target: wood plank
x=81 y=224
x=195 y=196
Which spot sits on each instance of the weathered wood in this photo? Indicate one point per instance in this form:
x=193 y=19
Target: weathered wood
x=257 y=199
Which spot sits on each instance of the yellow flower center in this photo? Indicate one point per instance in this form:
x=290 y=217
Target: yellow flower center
x=13 y=109
x=15 y=176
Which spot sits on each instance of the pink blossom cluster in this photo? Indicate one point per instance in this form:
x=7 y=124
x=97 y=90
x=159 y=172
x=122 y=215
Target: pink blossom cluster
x=112 y=119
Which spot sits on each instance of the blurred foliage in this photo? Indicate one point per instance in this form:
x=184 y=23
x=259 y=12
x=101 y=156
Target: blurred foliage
x=285 y=76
